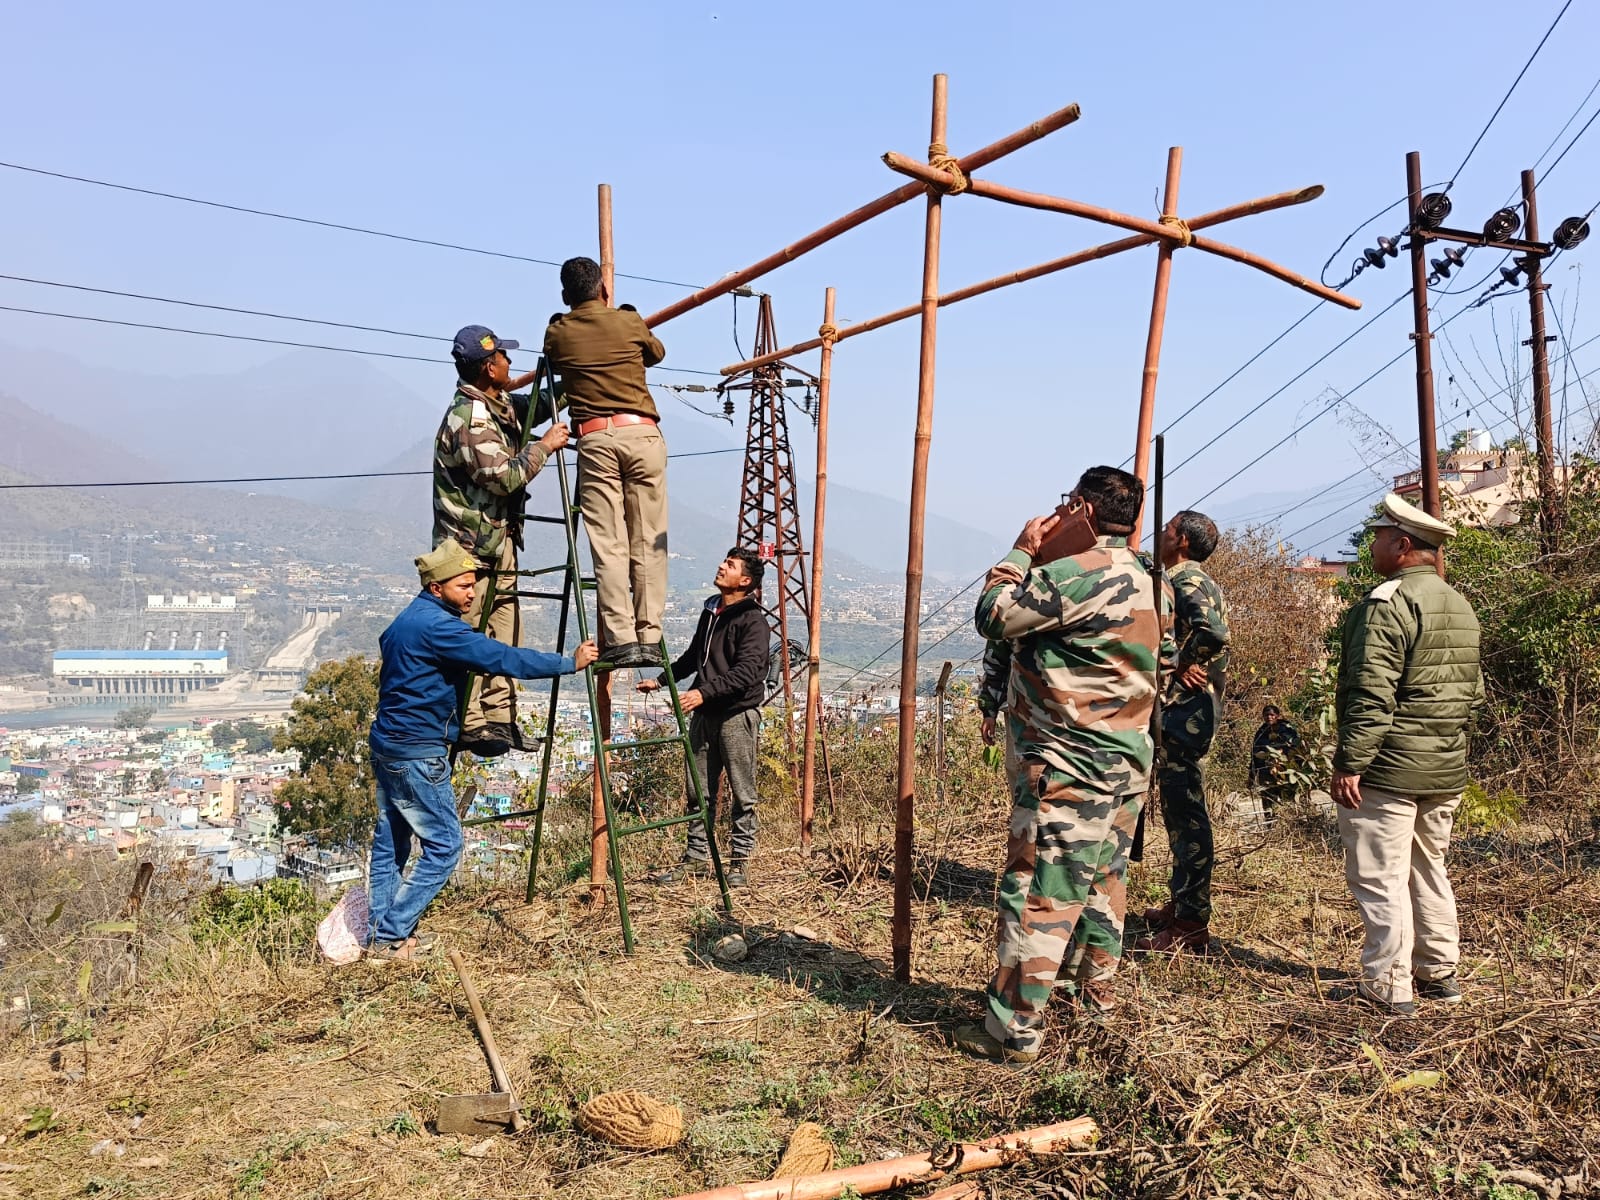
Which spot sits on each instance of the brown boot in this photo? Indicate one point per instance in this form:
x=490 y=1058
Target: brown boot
x=1159 y=918
x=1179 y=935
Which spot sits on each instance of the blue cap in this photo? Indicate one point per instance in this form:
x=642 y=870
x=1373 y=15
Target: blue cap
x=477 y=342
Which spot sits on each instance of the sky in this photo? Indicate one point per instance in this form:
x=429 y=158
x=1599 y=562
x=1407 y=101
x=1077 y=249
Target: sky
x=730 y=130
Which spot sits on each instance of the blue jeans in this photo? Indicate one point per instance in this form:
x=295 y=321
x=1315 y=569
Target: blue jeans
x=414 y=797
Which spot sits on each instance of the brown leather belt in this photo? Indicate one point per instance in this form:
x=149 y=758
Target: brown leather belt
x=596 y=424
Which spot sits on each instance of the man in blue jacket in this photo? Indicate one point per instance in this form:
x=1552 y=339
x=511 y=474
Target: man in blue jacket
x=428 y=652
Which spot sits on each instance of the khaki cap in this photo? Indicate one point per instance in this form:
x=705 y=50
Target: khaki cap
x=444 y=561
x=1412 y=521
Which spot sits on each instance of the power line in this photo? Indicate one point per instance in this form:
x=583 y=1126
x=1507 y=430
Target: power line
x=379 y=233
x=266 y=341
x=120 y=483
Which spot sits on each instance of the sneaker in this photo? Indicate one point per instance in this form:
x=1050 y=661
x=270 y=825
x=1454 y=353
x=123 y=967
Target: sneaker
x=980 y=1043
x=1176 y=936
x=1445 y=990
x=1360 y=995
x=622 y=656
x=735 y=874
x=491 y=741
x=422 y=943
x=392 y=951
x=697 y=868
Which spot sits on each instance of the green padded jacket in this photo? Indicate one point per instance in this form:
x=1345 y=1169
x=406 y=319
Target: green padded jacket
x=1408 y=680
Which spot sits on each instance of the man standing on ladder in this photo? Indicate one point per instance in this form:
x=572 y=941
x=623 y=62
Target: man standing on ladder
x=600 y=354
x=728 y=660
x=480 y=468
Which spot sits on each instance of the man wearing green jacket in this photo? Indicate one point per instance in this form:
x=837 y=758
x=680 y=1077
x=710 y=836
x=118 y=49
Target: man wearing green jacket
x=1408 y=680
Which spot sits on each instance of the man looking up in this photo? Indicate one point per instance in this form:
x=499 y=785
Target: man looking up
x=1190 y=711
x=427 y=652
x=480 y=468
x=1084 y=632
x=1409 y=678
x=728 y=661
x=600 y=354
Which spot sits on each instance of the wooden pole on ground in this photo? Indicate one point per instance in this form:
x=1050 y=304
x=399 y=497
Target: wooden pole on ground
x=819 y=504
x=971 y=162
x=599 y=848
x=1152 y=344
x=905 y=801
x=1222 y=215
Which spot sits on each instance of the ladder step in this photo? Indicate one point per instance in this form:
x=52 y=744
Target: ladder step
x=643 y=742
x=664 y=823
x=510 y=816
x=544 y=520
x=537 y=595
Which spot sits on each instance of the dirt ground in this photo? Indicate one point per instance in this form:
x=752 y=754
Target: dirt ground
x=252 y=1070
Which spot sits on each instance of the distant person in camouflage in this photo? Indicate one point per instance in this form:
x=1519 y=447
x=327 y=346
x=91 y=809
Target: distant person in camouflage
x=1270 y=759
x=1084 y=637
x=480 y=468
x=1190 y=711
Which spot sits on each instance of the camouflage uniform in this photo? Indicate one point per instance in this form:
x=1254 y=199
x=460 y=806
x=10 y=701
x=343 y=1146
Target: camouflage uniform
x=1188 y=723
x=1085 y=636
x=1270 y=754
x=480 y=470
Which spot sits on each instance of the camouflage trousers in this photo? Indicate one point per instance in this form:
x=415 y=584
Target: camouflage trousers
x=1063 y=893
x=1183 y=808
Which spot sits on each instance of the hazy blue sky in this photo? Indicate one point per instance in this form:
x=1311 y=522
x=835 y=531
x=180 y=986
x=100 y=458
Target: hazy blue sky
x=730 y=129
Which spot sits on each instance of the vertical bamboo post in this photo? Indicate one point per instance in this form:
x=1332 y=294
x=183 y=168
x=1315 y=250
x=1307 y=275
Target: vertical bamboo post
x=819 y=505
x=905 y=800
x=599 y=847
x=1152 y=344
x=1422 y=338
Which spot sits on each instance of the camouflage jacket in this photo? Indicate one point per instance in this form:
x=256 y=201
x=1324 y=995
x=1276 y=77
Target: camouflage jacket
x=1085 y=635
x=996 y=675
x=1200 y=620
x=479 y=470
x=1270 y=751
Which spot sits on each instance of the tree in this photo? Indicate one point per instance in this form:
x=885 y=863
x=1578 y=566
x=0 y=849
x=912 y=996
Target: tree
x=331 y=795
x=158 y=780
x=223 y=734
x=134 y=718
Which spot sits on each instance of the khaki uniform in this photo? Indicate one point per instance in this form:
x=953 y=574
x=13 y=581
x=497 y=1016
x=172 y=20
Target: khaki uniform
x=600 y=354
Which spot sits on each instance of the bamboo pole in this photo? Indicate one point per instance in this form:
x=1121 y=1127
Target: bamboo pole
x=599 y=840
x=819 y=504
x=1152 y=345
x=1093 y=253
x=905 y=801
x=869 y=1179
x=1059 y=119
x=1169 y=233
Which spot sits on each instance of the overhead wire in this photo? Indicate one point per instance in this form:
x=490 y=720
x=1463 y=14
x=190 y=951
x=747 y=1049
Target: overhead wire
x=324 y=224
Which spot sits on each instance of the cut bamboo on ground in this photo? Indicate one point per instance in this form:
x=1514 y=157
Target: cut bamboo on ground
x=869 y=1179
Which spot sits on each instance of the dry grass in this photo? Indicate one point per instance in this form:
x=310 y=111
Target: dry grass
x=227 y=1072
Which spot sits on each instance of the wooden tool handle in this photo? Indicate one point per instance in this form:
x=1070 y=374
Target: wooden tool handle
x=502 y=1081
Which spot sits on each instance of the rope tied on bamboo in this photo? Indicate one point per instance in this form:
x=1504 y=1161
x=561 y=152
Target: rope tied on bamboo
x=940 y=159
x=1185 y=234
x=828 y=333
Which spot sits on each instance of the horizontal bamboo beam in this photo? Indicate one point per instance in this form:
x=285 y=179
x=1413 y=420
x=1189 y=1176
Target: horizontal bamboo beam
x=934 y=177
x=1105 y=250
x=871 y=1178
x=1059 y=119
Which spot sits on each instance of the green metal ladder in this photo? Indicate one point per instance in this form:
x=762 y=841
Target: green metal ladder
x=573 y=586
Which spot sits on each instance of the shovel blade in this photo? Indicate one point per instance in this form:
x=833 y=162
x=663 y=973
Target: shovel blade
x=478 y=1114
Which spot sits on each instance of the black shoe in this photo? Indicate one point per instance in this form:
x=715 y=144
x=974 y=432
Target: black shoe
x=489 y=742
x=623 y=655
x=1446 y=990
x=650 y=655
x=695 y=867
x=1398 y=1008
x=520 y=739
x=735 y=874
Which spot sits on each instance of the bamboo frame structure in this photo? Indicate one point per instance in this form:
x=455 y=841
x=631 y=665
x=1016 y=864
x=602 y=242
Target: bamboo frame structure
x=819 y=505
x=599 y=845
x=1029 y=134
x=1152 y=342
x=1106 y=250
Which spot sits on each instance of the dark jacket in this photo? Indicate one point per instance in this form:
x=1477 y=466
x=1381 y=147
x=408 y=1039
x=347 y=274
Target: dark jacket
x=1408 y=679
x=428 y=651
x=600 y=354
x=728 y=657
